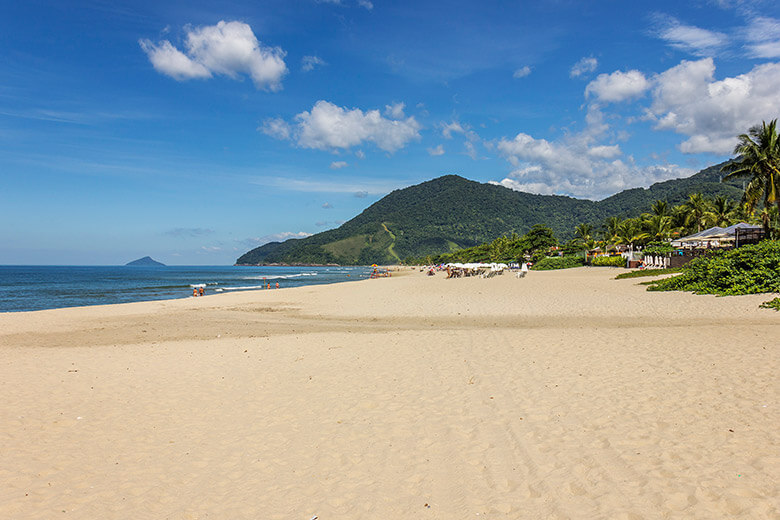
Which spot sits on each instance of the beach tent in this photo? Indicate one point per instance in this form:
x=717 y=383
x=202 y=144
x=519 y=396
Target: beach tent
x=715 y=234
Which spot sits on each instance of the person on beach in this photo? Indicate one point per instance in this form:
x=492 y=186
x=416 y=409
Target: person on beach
x=200 y=291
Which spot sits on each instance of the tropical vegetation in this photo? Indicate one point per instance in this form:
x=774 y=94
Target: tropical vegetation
x=748 y=269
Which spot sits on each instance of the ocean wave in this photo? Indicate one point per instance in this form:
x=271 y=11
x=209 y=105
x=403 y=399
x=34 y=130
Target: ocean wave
x=278 y=276
x=246 y=288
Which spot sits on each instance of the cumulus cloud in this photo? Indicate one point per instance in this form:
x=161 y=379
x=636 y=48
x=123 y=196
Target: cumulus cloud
x=567 y=167
x=169 y=60
x=617 y=86
x=604 y=151
x=337 y=165
x=361 y=194
x=436 y=151
x=691 y=39
x=330 y=127
x=522 y=72
x=689 y=101
x=365 y=3
x=327 y=205
x=580 y=164
x=308 y=63
x=395 y=111
x=228 y=48
x=586 y=65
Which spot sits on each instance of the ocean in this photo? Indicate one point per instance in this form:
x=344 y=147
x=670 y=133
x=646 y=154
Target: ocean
x=31 y=288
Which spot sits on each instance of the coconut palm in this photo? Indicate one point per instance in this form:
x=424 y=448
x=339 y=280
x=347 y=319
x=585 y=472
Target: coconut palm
x=759 y=158
x=630 y=232
x=722 y=212
x=660 y=207
x=658 y=227
x=611 y=229
x=696 y=210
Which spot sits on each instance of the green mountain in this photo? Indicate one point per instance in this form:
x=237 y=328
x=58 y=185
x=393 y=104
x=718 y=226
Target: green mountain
x=450 y=213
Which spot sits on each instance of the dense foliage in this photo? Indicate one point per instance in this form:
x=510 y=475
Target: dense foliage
x=647 y=272
x=747 y=270
x=658 y=248
x=450 y=213
x=609 y=261
x=534 y=245
x=558 y=262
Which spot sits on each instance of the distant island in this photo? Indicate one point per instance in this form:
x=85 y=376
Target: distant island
x=145 y=261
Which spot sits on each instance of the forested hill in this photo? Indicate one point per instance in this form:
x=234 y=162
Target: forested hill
x=450 y=212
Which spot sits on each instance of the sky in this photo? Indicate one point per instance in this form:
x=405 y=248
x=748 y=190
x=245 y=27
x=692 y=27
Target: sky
x=195 y=131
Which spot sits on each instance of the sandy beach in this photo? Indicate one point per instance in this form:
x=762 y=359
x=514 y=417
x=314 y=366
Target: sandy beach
x=562 y=395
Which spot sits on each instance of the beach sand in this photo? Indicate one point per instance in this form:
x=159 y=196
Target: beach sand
x=561 y=395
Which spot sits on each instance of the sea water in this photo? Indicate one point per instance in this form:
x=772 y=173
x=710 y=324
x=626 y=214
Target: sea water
x=30 y=288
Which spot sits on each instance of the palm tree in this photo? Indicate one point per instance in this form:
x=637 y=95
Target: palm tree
x=759 y=158
x=611 y=229
x=660 y=207
x=630 y=232
x=659 y=227
x=722 y=212
x=696 y=210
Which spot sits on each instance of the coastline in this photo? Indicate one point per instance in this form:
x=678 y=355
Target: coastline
x=563 y=394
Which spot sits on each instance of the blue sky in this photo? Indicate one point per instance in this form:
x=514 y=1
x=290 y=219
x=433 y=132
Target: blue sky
x=194 y=131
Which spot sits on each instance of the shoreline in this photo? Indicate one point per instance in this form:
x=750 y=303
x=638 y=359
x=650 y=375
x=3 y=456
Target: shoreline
x=563 y=394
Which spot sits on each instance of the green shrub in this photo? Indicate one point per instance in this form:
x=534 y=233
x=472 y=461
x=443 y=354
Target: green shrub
x=749 y=269
x=647 y=272
x=771 y=304
x=558 y=262
x=609 y=261
x=658 y=248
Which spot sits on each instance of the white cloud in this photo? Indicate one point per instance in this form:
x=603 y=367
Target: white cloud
x=365 y=3
x=277 y=128
x=396 y=110
x=586 y=65
x=452 y=128
x=604 y=151
x=522 y=72
x=688 y=38
x=228 y=48
x=566 y=167
x=471 y=150
x=577 y=165
x=436 y=151
x=327 y=205
x=308 y=63
x=763 y=35
x=617 y=86
x=330 y=127
x=337 y=165
x=169 y=60
x=688 y=100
